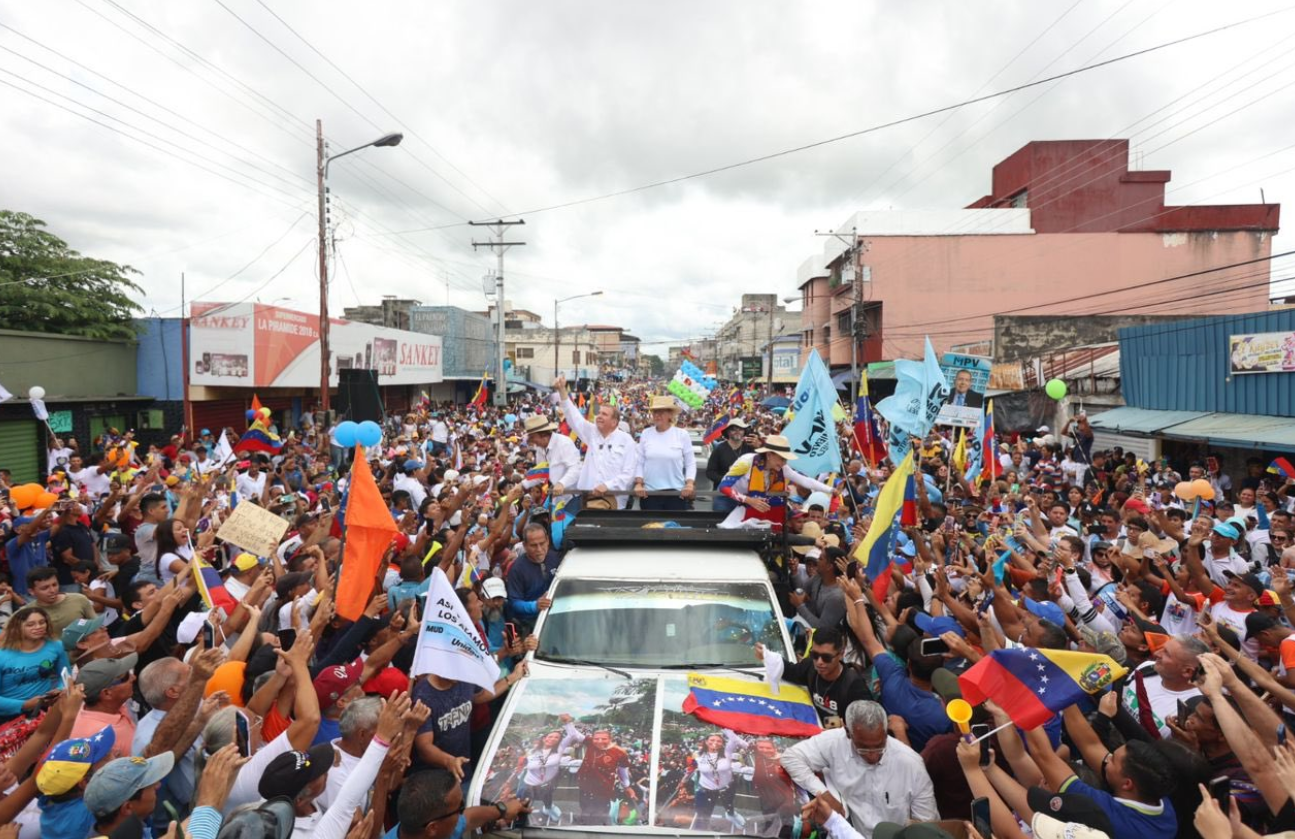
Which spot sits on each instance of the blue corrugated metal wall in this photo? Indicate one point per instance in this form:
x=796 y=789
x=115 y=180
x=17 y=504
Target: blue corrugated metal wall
x=160 y=359
x=1183 y=366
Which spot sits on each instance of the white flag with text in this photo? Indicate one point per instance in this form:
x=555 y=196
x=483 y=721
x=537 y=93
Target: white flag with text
x=448 y=644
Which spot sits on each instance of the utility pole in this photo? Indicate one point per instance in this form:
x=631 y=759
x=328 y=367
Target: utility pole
x=854 y=251
x=321 y=161
x=499 y=247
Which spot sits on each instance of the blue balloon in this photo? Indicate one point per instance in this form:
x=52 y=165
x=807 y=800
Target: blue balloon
x=347 y=434
x=510 y=418
x=251 y=415
x=369 y=433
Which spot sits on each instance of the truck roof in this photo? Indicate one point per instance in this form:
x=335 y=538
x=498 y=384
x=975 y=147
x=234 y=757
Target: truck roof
x=664 y=562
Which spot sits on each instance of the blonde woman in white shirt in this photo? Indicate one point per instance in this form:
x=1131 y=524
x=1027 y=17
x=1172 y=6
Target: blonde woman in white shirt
x=665 y=459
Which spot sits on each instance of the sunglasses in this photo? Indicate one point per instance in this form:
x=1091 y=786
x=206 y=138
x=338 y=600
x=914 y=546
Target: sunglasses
x=822 y=656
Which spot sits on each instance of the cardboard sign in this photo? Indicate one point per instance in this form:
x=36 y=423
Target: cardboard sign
x=253 y=529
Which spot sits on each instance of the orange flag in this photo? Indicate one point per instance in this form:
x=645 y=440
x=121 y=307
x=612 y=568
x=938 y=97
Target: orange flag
x=256 y=404
x=369 y=528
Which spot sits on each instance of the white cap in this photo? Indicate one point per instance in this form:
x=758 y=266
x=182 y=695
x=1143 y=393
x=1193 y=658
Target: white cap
x=188 y=629
x=451 y=475
x=494 y=587
x=1042 y=429
x=818 y=499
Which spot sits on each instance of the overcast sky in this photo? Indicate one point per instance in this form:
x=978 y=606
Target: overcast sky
x=526 y=105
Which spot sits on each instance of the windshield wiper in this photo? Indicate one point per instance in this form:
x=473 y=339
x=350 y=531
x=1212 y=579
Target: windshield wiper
x=730 y=667
x=584 y=662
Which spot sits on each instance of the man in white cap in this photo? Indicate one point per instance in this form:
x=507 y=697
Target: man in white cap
x=758 y=483
x=557 y=450
x=610 y=454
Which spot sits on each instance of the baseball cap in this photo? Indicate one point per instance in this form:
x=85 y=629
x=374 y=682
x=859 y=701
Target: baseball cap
x=1045 y=609
x=387 y=683
x=69 y=761
x=1268 y=598
x=1155 y=635
x=494 y=587
x=334 y=681
x=98 y=676
x=1227 y=530
x=274 y=819
x=79 y=629
x=412 y=465
x=1071 y=808
x=291 y=580
x=116 y=782
x=818 y=499
x=118 y=542
x=205 y=432
x=289 y=773
x=244 y=561
x=1257 y=622
x=1105 y=642
x=937 y=625
x=1249 y=580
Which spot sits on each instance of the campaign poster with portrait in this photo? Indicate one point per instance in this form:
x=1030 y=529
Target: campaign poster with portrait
x=714 y=780
x=579 y=749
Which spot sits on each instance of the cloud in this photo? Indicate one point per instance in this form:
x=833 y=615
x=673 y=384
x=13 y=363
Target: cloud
x=539 y=104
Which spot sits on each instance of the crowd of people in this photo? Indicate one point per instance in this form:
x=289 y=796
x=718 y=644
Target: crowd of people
x=132 y=705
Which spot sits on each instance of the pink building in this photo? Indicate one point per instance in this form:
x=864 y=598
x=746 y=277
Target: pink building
x=1068 y=229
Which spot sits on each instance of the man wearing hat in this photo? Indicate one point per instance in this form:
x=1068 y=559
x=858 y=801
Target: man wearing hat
x=735 y=443
x=125 y=790
x=610 y=454
x=61 y=780
x=109 y=684
x=1221 y=555
x=758 y=483
x=557 y=450
x=413 y=480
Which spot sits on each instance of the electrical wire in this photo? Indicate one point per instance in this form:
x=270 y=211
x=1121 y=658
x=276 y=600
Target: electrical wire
x=902 y=120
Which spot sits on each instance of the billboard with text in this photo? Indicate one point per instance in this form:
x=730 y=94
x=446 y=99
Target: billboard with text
x=254 y=345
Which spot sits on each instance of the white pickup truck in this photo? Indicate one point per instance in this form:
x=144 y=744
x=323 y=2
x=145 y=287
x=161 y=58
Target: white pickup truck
x=598 y=736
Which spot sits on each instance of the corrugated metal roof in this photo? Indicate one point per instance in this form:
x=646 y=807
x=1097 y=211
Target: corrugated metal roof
x=1238 y=431
x=1129 y=420
x=1099 y=360
x=1183 y=366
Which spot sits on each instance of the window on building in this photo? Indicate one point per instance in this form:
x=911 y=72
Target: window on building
x=827 y=335
x=525 y=352
x=575 y=357
x=1020 y=199
x=843 y=322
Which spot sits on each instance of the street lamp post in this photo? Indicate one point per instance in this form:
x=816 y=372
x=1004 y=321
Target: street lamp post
x=557 y=335
x=321 y=179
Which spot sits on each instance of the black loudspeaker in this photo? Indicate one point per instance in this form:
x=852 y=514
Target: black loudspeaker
x=358 y=397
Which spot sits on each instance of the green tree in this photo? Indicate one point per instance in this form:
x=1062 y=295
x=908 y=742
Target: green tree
x=45 y=286
x=656 y=365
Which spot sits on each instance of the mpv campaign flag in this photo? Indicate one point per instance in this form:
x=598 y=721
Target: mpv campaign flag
x=812 y=433
x=448 y=643
x=920 y=392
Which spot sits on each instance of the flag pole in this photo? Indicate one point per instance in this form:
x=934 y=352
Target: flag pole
x=1007 y=724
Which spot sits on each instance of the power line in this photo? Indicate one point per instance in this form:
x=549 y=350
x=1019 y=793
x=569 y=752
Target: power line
x=386 y=111
x=901 y=121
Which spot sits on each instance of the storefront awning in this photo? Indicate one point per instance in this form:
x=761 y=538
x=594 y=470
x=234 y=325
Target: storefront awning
x=1128 y=420
x=1243 y=431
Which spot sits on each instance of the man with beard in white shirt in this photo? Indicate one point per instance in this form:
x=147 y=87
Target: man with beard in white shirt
x=610 y=454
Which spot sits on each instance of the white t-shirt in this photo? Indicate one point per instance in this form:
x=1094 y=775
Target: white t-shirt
x=1226 y=615
x=440 y=432
x=54 y=456
x=92 y=481
x=1180 y=618
x=249 y=487
x=105 y=589
x=1164 y=702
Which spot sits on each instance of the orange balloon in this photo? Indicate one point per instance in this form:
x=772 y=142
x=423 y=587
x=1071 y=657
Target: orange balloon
x=1185 y=490
x=46 y=500
x=1204 y=489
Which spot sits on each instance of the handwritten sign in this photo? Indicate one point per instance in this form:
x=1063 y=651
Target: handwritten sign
x=253 y=529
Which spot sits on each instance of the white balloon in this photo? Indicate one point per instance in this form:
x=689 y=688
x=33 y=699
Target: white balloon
x=36 y=392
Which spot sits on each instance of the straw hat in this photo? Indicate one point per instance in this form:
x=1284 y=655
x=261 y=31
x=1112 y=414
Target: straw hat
x=539 y=424
x=777 y=444
x=663 y=403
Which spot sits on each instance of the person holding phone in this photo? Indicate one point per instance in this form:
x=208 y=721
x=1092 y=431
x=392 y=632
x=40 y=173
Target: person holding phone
x=30 y=663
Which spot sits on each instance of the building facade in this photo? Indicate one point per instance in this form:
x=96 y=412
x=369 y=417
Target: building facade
x=741 y=343
x=468 y=348
x=1068 y=229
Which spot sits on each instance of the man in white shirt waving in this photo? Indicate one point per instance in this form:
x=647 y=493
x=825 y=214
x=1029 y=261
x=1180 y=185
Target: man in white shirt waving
x=610 y=454
x=557 y=450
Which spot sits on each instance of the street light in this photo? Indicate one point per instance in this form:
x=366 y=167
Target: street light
x=321 y=177
x=557 y=335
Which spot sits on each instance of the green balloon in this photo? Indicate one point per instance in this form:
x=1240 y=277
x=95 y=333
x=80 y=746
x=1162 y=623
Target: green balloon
x=1056 y=389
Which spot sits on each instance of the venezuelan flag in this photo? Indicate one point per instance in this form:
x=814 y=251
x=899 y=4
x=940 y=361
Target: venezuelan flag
x=876 y=551
x=990 y=468
x=211 y=588
x=1281 y=466
x=751 y=707
x=1033 y=685
x=717 y=430
x=960 y=452
x=259 y=438
x=538 y=472
x=479 y=398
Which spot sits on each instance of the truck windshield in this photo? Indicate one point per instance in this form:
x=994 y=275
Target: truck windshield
x=649 y=624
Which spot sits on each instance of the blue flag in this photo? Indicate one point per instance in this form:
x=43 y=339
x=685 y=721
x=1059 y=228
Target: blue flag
x=920 y=392
x=812 y=432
